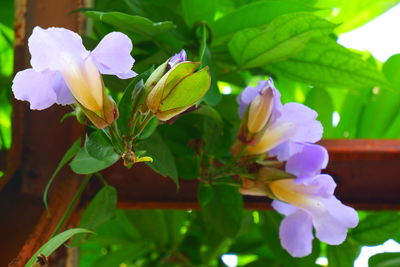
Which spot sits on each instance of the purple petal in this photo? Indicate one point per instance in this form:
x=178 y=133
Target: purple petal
x=113 y=55
x=296 y=234
x=283 y=208
x=249 y=93
x=332 y=224
x=41 y=89
x=308 y=129
x=50 y=47
x=286 y=150
x=308 y=162
x=177 y=58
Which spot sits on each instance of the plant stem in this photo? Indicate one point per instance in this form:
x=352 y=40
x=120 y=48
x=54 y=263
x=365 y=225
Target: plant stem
x=71 y=205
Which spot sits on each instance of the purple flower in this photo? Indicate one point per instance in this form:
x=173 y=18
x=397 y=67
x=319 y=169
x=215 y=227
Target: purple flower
x=177 y=58
x=308 y=162
x=295 y=125
x=309 y=204
x=250 y=93
x=63 y=71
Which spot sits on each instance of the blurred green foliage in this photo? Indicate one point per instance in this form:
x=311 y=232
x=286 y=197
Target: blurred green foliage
x=6 y=70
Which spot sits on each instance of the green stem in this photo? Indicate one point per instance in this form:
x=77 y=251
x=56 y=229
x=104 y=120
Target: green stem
x=143 y=125
x=116 y=137
x=203 y=44
x=71 y=205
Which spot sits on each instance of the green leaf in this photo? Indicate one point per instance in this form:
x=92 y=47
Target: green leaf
x=150 y=224
x=136 y=24
x=224 y=211
x=343 y=254
x=205 y=193
x=71 y=152
x=285 y=37
x=163 y=160
x=324 y=63
x=385 y=260
x=195 y=11
x=84 y=163
x=355 y=13
x=54 y=243
x=125 y=105
x=125 y=254
x=99 y=147
x=256 y=14
x=321 y=101
x=100 y=210
x=377 y=228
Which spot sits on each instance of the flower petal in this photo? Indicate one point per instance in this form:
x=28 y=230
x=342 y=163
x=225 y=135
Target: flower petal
x=296 y=235
x=308 y=162
x=249 y=93
x=41 y=89
x=308 y=129
x=177 y=58
x=113 y=55
x=283 y=208
x=331 y=226
x=49 y=47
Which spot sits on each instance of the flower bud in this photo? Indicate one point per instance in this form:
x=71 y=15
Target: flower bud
x=106 y=116
x=179 y=89
x=260 y=111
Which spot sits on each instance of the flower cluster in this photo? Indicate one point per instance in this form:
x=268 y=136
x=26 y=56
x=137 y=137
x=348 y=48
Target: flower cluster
x=65 y=73
x=305 y=196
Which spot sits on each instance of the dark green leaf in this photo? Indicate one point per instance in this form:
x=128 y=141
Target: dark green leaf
x=100 y=210
x=205 y=193
x=125 y=104
x=224 y=211
x=83 y=163
x=385 y=260
x=163 y=160
x=343 y=254
x=124 y=254
x=377 y=228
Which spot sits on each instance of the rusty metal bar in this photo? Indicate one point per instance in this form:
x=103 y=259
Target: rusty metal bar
x=366 y=172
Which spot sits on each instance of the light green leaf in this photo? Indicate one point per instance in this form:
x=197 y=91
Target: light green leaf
x=256 y=14
x=224 y=211
x=324 y=63
x=195 y=11
x=54 y=243
x=321 y=101
x=163 y=160
x=285 y=37
x=385 y=260
x=99 y=211
x=71 y=152
x=130 y=23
